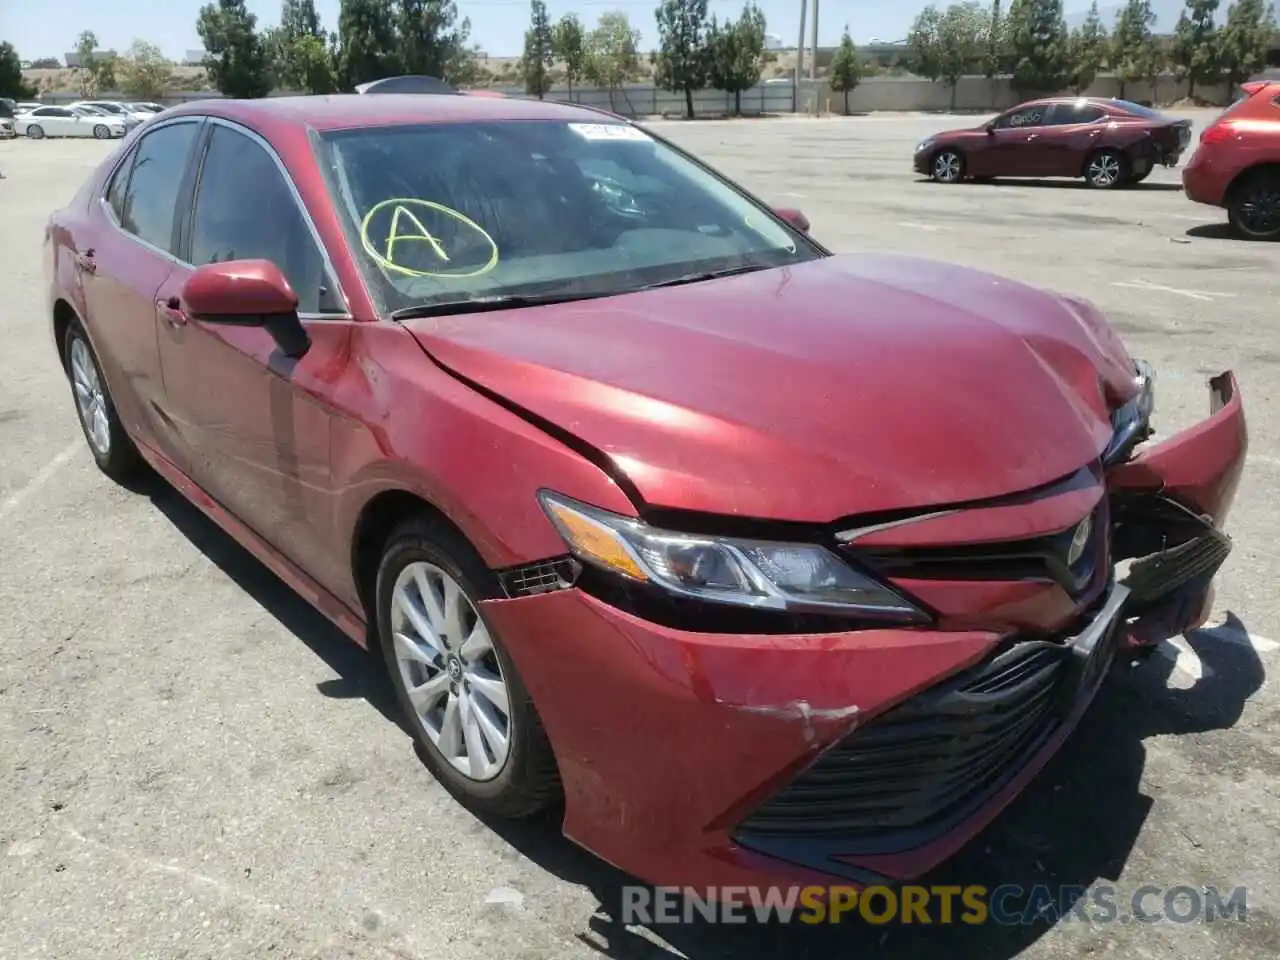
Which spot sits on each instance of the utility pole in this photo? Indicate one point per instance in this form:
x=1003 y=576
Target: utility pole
x=813 y=61
x=804 y=6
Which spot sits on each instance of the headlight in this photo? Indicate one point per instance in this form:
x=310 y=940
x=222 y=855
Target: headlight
x=922 y=145
x=760 y=574
x=1131 y=424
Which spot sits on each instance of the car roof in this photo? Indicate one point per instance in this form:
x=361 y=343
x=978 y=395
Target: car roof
x=353 y=111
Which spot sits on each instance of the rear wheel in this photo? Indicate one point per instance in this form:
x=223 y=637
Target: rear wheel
x=1105 y=169
x=947 y=166
x=465 y=703
x=112 y=450
x=1254 y=207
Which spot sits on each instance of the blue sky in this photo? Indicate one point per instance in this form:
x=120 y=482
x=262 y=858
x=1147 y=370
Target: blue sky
x=49 y=28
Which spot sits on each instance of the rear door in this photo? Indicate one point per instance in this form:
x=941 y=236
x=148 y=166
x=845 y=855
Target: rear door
x=1017 y=145
x=125 y=257
x=1073 y=130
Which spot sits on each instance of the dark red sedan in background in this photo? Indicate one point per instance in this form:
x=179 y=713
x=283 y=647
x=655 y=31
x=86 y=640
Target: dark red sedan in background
x=773 y=564
x=1110 y=143
x=1237 y=163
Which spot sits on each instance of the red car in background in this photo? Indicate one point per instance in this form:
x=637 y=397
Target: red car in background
x=1237 y=163
x=1110 y=143
x=773 y=565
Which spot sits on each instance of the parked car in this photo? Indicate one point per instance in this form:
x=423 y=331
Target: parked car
x=68 y=122
x=770 y=563
x=145 y=107
x=1110 y=143
x=130 y=118
x=7 y=129
x=1237 y=163
x=26 y=106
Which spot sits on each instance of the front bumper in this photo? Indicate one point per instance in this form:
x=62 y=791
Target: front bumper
x=706 y=759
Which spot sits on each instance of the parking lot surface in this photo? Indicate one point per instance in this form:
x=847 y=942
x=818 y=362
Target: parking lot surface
x=195 y=765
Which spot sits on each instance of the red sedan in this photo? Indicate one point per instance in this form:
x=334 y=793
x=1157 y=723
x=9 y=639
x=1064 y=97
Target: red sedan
x=1237 y=163
x=772 y=564
x=1110 y=143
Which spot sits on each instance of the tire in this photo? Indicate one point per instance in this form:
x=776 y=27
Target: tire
x=947 y=166
x=1253 y=207
x=522 y=782
x=1106 y=169
x=113 y=451
x=35 y=131
x=100 y=132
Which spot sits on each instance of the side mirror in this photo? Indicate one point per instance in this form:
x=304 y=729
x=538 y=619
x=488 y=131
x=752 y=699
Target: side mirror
x=247 y=293
x=794 y=217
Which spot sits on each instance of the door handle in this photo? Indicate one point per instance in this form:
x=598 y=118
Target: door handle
x=1033 y=136
x=171 y=310
x=85 y=261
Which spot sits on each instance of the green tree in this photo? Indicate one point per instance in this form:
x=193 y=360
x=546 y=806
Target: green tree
x=367 y=41
x=1246 y=39
x=12 y=84
x=237 y=57
x=568 y=41
x=300 y=49
x=1195 y=44
x=46 y=63
x=539 y=53
x=924 y=43
x=997 y=42
x=1089 y=46
x=683 y=60
x=86 y=74
x=961 y=43
x=612 y=53
x=846 y=68
x=144 y=71
x=737 y=53
x=1133 y=47
x=430 y=38
x=1040 y=46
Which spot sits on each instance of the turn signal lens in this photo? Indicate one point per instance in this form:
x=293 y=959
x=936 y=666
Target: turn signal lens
x=592 y=540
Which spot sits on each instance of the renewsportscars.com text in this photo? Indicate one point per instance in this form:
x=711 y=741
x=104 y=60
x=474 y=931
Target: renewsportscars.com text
x=1007 y=905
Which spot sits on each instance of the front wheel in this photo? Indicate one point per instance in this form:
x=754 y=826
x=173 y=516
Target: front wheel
x=1254 y=207
x=466 y=704
x=1105 y=169
x=947 y=166
x=100 y=132
x=35 y=131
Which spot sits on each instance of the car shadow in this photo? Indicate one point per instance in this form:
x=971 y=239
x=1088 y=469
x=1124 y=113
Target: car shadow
x=1213 y=231
x=1065 y=184
x=1076 y=825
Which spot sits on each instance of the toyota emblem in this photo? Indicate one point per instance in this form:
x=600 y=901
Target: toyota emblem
x=1079 y=541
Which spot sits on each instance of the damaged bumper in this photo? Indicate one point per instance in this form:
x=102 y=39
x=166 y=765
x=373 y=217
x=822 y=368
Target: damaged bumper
x=710 y=759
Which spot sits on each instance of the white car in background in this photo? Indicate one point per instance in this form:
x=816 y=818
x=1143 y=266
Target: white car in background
x=130 y=118
x=68 y=122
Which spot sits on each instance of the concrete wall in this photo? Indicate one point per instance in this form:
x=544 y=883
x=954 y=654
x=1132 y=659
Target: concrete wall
x=976 y=94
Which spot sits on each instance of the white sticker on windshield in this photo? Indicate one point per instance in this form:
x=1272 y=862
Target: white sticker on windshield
x=608 y=131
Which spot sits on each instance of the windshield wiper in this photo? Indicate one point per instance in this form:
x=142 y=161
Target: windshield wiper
x=701 y=276
x=449 y=308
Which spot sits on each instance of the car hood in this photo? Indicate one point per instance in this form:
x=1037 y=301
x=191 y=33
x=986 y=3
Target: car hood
x=841 y=386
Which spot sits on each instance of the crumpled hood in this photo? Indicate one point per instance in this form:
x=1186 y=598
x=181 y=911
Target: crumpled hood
x=842 y=386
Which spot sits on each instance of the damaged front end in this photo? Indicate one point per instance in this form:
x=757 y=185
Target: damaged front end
x=1168 y=507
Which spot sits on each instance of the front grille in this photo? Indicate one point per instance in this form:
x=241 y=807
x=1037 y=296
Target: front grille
x=1155 y=577
x=911 y=774
x=1039 y=558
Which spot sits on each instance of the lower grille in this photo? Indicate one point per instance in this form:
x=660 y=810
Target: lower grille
x=1153 y=578
x=535 y=578
x=911 y=774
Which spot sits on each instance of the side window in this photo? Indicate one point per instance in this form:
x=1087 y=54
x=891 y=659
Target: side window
x=1027 y=117
x=119 y=182
x=151 y=195
x=1066 y=113
x=1090 y=114
x=245 y=210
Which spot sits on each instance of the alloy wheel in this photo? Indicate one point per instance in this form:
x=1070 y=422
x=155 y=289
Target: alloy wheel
x=1259 y=210
x=101 y=132
x=450 y=671
x=1103 y=170
x=91 y=399
x=946 y=167
x=35 y=132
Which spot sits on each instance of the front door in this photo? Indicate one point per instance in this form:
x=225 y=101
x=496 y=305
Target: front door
x=1017 y=145
x=1074 y=131
x=254 y=424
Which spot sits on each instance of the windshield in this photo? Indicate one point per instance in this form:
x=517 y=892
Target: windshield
x=88 y=111
x=442 y=212
x=106 y=108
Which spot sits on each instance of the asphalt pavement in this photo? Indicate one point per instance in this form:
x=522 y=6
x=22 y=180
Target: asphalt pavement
x=194 y=764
